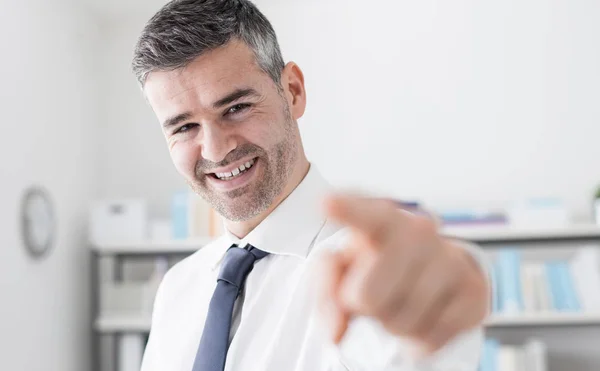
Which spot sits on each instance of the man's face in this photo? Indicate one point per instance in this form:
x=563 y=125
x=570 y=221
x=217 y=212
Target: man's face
x=229 y=129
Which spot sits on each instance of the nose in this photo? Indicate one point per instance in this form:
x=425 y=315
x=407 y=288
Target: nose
x=216 y=143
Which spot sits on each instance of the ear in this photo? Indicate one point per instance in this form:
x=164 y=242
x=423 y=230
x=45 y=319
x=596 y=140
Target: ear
x=292 y=81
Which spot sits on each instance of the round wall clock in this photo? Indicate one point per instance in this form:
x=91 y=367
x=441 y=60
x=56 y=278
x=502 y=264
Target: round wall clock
x=38 y=221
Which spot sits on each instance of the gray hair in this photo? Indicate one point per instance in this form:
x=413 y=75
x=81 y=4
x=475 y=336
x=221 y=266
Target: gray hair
x=185 y=29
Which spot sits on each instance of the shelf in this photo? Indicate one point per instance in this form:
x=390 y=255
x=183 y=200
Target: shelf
x=490 y=234
x=478 y=234
x=146 y=248
x=136 y=323
x=543 y=319
x=122 y=323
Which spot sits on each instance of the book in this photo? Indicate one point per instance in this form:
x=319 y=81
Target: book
x=193 y=217
x=496 y=289
x=531 y=356
x=489 y=356
x=541 y=288
x=180 y=215
x=508 y=358
x=535 y=356
x=131 y=349
x=585 y=269
x=529 y=286
x=556 y=292
x=545 y=287
x=510 y=281
x=568 y=289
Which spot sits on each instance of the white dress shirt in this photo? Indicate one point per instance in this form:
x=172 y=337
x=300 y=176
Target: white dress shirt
x=277 y=325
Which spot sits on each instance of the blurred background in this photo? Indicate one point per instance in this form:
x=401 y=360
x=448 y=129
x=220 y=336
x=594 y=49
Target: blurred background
x=484 y=113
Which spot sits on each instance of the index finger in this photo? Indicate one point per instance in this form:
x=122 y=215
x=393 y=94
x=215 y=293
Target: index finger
x=369 y=216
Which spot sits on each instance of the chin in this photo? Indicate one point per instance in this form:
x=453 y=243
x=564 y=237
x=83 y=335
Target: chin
x=238 y=213
x=241 y=207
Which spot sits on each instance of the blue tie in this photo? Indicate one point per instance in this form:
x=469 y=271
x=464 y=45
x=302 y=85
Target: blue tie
x=214 y=343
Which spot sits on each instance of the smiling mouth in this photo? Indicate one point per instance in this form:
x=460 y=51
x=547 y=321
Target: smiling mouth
x=240 y=170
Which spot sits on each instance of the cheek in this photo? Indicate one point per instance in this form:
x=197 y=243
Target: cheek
x=264 y=133
x=184 y=158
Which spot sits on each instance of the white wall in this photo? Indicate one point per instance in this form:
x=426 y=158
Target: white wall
x=48 y=108
x=453 y=102
x=134 y=160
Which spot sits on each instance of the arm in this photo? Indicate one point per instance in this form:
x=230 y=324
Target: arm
x=417 y=285
x=367 y=346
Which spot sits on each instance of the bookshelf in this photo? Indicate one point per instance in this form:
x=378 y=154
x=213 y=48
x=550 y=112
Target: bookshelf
x=507 y=234
x=477 y=234
x=565 y=336
x=544 y=320
x=151 y=247
x=119 y=328
x=512 y=328
x=114 y=323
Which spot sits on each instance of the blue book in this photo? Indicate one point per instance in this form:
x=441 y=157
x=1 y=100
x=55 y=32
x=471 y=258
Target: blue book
x=496 y=289
x=489 y=356
x=556 y=291
x=509 y=262
x=179 y=215
x=566 y=279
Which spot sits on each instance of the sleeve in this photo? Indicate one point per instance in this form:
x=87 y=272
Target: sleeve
x=368 y=346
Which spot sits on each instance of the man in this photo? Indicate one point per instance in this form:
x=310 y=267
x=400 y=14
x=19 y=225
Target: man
x=304 y=279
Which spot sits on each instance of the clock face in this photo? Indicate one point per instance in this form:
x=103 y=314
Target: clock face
x=38 y=221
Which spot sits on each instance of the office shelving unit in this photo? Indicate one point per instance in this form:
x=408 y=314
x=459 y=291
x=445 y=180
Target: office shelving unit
x=494 y=235
x=489 y=238
x=116 y=325
x=571 y=338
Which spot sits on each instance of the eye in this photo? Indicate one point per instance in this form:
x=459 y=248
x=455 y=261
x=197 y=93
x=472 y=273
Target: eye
x=238 y=108
x=185 y=128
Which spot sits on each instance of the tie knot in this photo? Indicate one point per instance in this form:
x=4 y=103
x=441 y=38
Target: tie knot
x=238 y=263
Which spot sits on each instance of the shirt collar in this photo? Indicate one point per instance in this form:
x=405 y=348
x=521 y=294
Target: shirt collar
x=291 y=228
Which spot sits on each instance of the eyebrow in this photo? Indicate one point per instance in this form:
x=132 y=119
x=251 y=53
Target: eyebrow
x=235 y=95
x=229 y=98
x=172 y=121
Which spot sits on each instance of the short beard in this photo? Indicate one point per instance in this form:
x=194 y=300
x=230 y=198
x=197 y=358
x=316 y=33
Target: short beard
x=278 y=164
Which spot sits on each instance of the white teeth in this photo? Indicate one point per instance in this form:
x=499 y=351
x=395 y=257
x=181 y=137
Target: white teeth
x=235 y=172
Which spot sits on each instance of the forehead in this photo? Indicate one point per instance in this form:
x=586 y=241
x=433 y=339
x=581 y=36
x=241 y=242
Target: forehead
x=203 y=81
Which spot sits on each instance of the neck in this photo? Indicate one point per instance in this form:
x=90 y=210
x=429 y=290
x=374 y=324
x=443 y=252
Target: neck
x=241 y=229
